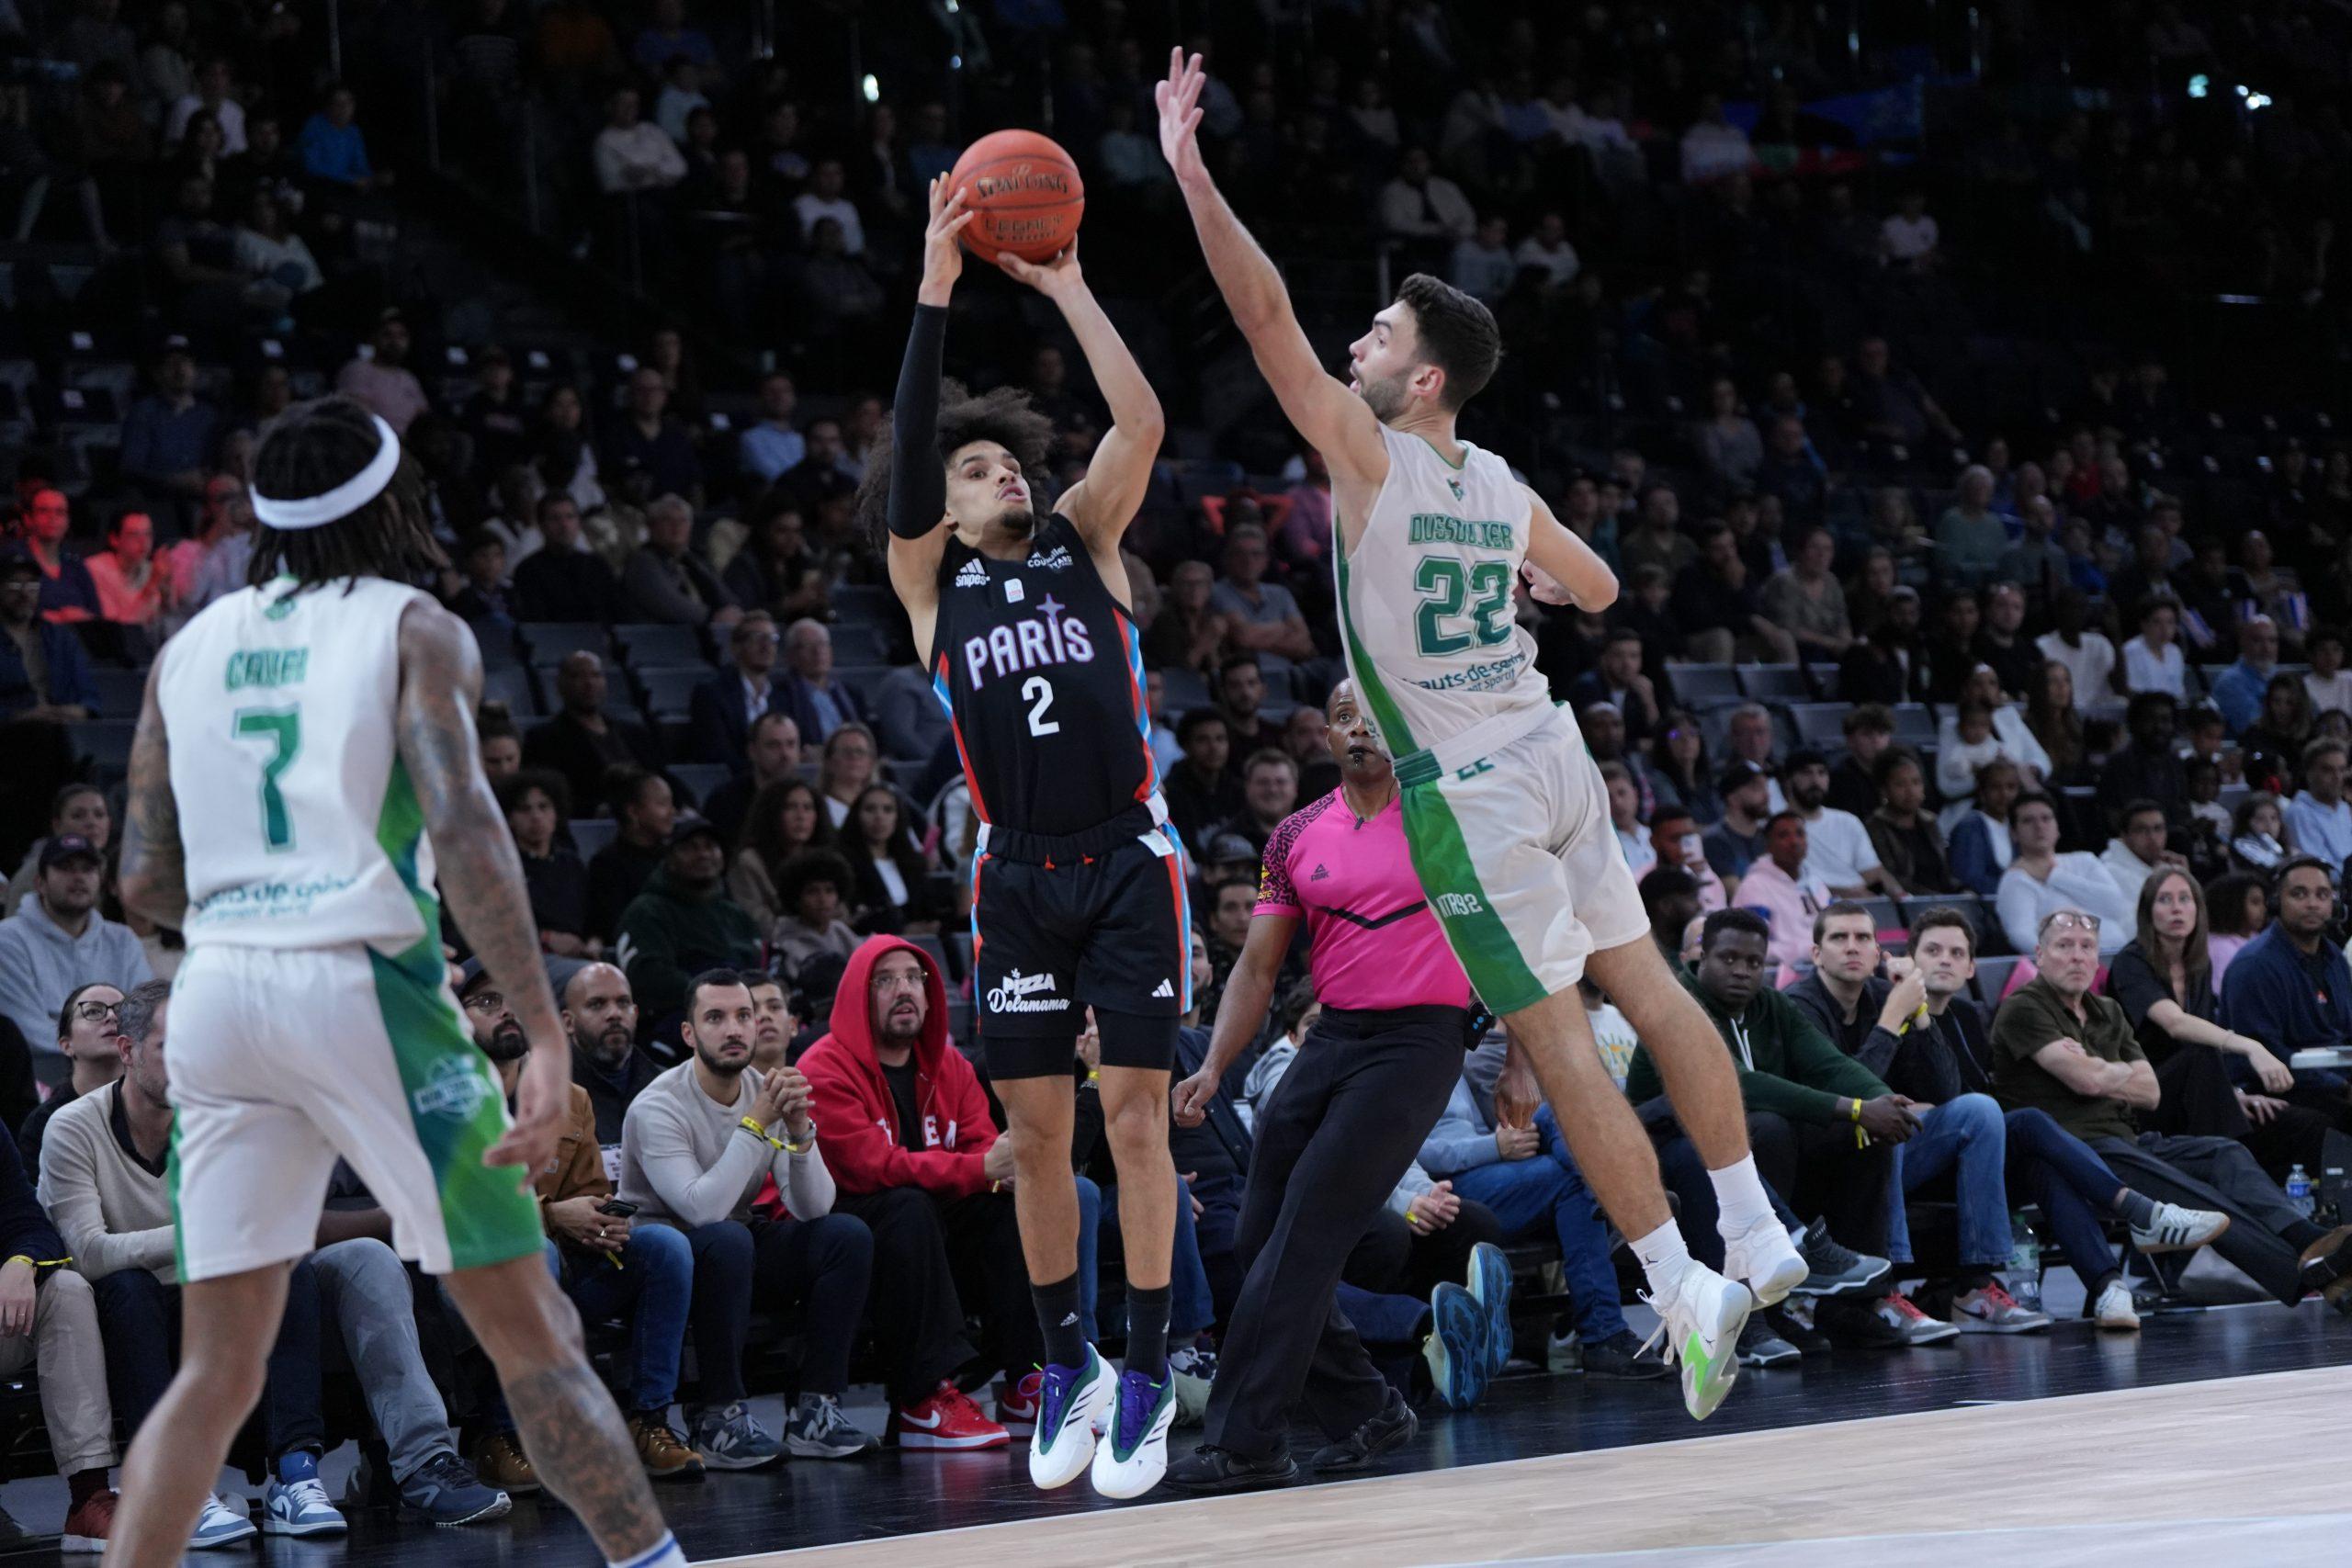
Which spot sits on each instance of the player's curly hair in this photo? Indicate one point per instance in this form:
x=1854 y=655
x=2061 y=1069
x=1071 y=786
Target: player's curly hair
x=309 y=450
x=1005 y=416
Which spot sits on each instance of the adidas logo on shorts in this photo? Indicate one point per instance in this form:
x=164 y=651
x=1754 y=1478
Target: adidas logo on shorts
x=1166 y=992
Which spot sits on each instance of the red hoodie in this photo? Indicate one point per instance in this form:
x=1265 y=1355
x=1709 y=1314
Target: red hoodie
x=865 y=1148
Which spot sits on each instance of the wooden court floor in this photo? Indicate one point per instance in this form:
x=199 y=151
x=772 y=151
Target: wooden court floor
x=2235 y=1470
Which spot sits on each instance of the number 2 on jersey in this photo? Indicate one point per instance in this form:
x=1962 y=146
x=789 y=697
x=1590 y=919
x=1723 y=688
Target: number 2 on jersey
x=1444 y=584
x=282 y=728
x=1038 y=692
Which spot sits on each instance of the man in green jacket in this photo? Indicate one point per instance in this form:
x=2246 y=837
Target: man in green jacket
x=681 y=924
x=1824 y=1127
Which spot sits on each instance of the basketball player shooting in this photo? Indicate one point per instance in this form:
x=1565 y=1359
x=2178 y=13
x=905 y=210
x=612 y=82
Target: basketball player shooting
x=1078 y=893
x=305 y=751
x=1504 y=812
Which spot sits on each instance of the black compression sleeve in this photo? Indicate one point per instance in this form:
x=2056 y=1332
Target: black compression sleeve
x=918 y=485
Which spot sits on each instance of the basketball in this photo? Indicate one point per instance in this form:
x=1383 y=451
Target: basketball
x=1026 y=193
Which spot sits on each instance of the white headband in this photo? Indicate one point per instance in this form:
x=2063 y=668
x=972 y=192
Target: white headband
x=317 y=510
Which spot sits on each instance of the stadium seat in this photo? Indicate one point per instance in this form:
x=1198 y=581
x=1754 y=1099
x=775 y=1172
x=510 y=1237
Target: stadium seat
x=1914 y=725
x=1702 y=687
x=1821 y=724
x=120 y=692
x=656 y=645
x=861 y=643
x=511 y=685
x=590 y=834
x=1775 y=682
x=669 y=691
x=1992 y=979
x=548 y=642
x=104 y=745
x=701 y=780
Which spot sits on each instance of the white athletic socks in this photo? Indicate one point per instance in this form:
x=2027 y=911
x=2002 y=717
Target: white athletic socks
x=1664 y=1257
x=662 y=1553
x=1741 y=1201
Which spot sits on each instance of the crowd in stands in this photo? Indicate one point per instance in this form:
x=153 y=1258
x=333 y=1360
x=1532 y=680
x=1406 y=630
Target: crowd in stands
x=1973 y=711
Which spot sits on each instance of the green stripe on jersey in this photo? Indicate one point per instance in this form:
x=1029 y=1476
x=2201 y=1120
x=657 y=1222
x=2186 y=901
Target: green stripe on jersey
x=1487 y=951
x=1387 y=716
x=454 y=1103
x=399 y=831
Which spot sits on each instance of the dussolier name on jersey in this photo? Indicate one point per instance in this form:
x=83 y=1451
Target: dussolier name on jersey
x=1026 y=644
x=1437 y=528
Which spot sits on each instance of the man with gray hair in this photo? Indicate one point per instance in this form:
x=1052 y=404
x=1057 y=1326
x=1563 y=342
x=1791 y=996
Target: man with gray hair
x=818 y=704
x=665 y=580
x=2059 y=1048
x=1261 y=618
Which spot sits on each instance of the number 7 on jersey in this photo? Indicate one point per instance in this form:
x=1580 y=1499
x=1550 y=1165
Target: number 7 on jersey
x=282 y=729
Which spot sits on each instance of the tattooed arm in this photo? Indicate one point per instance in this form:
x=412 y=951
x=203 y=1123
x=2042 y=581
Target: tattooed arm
x=480 y=872
x=153 y=873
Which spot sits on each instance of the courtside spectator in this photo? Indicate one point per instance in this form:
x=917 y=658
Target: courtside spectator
x=56 y=942
x=88 y=1028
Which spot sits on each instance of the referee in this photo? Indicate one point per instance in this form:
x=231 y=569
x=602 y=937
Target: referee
x=1340 y=1130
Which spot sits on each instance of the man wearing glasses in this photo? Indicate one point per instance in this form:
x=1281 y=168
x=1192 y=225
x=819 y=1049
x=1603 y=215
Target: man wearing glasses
x=724 y=707
x=2058 y=1048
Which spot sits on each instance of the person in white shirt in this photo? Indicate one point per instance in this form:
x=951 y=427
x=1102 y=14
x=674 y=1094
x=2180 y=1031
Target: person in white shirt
x=1548 y=248
x=2328 y=681
x=1838 y=852
x=2319 y=820
x=1624 y=815
x=631 y=154
x=824 y=199
x=1421 y=205
x=1482 y=265
x=2087 y=655
x=1713 y=147
x=1980 y=729
x=1909 y=237
x=2153 y=661
x=2041 y=881
x=698 y=1145
x=2140 y=853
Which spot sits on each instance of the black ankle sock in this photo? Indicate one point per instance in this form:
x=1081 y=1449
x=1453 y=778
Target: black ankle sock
x=83 y=1485
x=1057 y=1320
x=2137 y=1208
x=1147 y=1332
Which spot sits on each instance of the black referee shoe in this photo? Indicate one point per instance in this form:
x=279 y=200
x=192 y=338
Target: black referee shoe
x=1208 y=1470
x=1394 y=1427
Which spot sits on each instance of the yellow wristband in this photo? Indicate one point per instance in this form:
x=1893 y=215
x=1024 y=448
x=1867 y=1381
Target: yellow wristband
x=23 y=1258
x=753 y=1127
x=1858 y=1110
x=803 y=1147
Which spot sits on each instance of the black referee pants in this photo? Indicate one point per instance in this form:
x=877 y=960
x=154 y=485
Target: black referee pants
x=1332 y=1141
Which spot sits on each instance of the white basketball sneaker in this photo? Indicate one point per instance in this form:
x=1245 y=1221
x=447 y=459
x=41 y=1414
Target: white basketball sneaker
x=1699 y=1318
x=1070 y=1406
x=1765 y=1259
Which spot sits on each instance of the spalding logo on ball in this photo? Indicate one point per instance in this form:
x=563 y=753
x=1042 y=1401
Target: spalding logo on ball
x=1025 y=193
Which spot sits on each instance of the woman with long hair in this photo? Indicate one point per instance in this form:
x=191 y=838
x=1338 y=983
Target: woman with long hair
x=537 y=804
x=1681 y=774
x=775 y=571
x=2163 y=979
x=2236 y=908
x=2050 y=716
x=893 y=879
x=2273 y=744
x=565 y=449
x=784 y=819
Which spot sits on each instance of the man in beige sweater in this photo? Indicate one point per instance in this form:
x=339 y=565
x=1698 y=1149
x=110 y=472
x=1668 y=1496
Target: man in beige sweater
x=698 y=1144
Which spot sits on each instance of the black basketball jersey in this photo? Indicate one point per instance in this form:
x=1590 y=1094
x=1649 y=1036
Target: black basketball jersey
x=1041 y=671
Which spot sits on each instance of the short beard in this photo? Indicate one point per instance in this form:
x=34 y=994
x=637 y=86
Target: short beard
x=724 y=1069
x=507 y=1044
x=1019 y=521
x=910 y=1036
x=607 y=1050
x=1386 y=400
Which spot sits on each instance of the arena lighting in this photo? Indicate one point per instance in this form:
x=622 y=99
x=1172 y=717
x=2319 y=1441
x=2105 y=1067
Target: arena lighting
x=2256 y=101
x=2198 y=85
x=871 y=89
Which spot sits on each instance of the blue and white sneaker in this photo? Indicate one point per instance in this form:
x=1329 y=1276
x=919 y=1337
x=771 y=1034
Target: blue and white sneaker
x=1135 y=1454
x=298 y=1507
x=1071 y=1405
x=730 y=1438
x=445 y=1491
x=220 y=1524
x=1456 y=1348
x=1490 y=1283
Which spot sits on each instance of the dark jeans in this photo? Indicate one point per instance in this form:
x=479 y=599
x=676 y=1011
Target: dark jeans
x=1773 y=1142
x=1547 y=1195
x=818 y=1267
x=1393 y=1259
x=2220 y=1174
x=1214 y=1230
x=2073 y=1188
x=1332 y=1140
x=2200 y=1100
x=931 y=1257
x=1189 y=1308
x=652 y=1287
x=138 y=1317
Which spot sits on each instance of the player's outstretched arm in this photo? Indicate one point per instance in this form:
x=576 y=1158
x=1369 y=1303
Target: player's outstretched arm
x=1564 y=569
x=480 y=872
x=917 y=509
x=1333 y=418
x=1102 y=504
x=154 y=866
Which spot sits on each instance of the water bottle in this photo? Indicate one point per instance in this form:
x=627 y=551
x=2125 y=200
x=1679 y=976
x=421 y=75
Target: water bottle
x=2025 y=1264
x=2299 y=1191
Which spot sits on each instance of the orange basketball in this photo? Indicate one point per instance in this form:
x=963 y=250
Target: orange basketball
x=1026 y=193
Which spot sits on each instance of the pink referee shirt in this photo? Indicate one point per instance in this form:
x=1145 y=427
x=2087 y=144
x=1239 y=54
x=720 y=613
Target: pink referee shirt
x=1374 y=942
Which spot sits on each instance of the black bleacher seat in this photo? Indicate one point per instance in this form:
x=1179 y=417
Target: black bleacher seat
x=653 y=644
x=669 y=691
x=863 y=679
x=1821 y=724
x=1702 y=687
x=861 y=643
x=590 y=834
x=1185 y=691
x=495 y=640
x=1967 y=904
x=120 y=692
x=1775 y=682
x=1993 y=978
x=550 y=641
x=1914 y=724
x=104 y=745
x=862 y=601
x=511 y=685
x=701 y=779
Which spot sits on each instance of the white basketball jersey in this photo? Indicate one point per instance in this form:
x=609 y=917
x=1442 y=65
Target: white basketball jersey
x=1433 y=642
x=298 y=819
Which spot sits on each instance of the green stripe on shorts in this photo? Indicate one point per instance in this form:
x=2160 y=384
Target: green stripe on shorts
x=453 y=1103
x=172 y=1192
x=1487 y=951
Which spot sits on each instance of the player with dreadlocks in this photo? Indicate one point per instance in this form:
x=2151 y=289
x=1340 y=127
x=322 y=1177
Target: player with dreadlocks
x=305 y=760
x=1078 y=897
